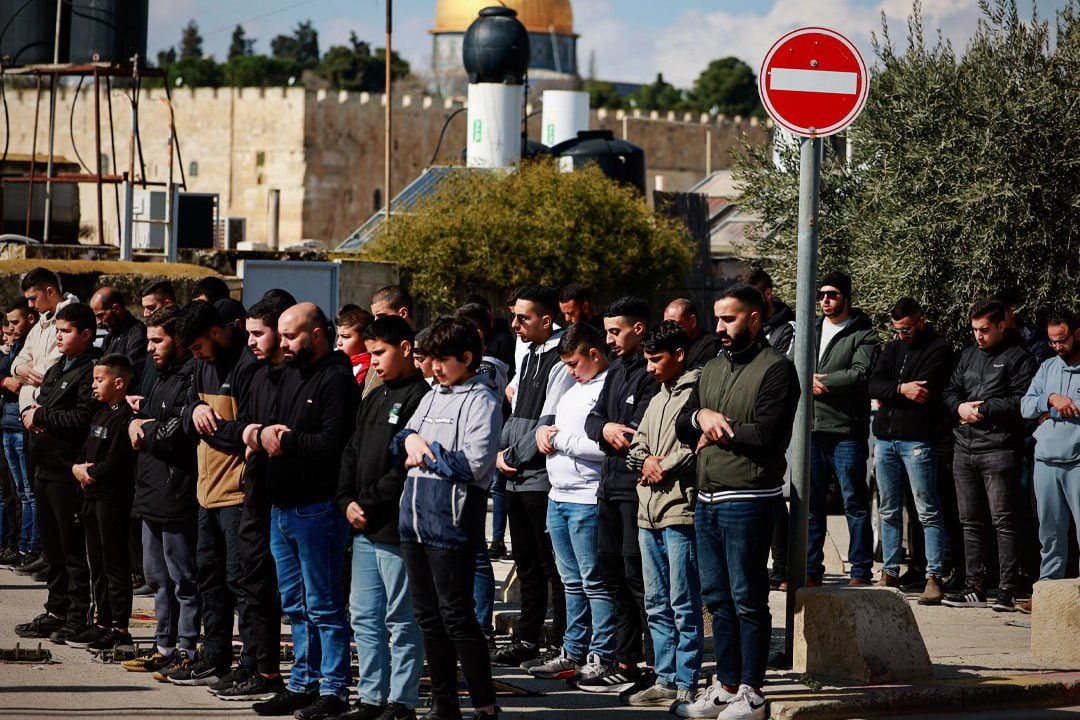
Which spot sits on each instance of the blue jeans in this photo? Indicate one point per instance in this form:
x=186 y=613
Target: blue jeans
x=308 y=543
x=15 y=452
x=733 y=561
x=847 y=458
x=673 y=603
x=498 y=508
x=484 y=591
x=1057 y=498
x=892 y=460
x=589 y=609
x=380 y=606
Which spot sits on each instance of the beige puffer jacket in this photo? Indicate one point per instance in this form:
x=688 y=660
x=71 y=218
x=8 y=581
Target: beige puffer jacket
x=39 y=351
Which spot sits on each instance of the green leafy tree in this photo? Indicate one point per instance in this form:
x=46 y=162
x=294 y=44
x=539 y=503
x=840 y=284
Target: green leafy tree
x=358 y=68
x=240 y=45
x=260 y=71
x=191 y=42
x=964 y=177
x=658 y=95
x=602 y=94
x=301 y=47
x=726 y=87
x=496 y=231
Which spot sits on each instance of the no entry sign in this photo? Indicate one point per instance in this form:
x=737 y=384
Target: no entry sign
x=813 y=82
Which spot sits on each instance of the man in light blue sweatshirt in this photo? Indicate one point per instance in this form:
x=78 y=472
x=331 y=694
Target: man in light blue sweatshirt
x=1054 y=400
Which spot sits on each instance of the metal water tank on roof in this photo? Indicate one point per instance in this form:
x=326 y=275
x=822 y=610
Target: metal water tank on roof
x=108 y=30
x=27 y=32
x=496 y=48
x=620 y=160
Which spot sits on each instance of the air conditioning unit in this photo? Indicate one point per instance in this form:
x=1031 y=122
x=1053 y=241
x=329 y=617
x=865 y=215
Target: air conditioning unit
x=235 y=232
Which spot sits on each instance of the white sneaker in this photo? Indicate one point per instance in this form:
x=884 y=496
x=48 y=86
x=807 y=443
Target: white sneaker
x=707 y=704
x=746 y=705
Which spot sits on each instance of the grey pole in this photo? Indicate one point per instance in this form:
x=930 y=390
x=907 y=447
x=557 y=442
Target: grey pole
x=805 y=363
x=52 y=125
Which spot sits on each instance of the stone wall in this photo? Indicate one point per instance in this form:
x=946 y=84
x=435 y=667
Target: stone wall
x=323 y=150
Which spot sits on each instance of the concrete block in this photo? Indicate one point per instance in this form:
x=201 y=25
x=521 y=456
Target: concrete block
x=1055 y=621
x=858 y=635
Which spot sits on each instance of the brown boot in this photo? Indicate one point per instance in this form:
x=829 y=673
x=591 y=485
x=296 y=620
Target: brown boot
x=934 y=592
x=887 y=580
x=1024 y=606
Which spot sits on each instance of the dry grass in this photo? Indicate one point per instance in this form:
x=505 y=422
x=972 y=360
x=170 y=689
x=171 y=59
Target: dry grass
x=106 y=267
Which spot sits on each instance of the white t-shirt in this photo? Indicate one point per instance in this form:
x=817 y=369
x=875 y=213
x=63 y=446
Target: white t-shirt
x=829 y=330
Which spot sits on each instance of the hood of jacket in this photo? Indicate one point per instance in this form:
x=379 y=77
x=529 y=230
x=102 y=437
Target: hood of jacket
x=782 y=314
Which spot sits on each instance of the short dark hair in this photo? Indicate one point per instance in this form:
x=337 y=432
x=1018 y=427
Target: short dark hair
x=990 y=308
x=269 y=310
x=628 y=306
x=1063 y=316
x=477 y=300
x=79 y=315
x=347 y=307
x=196 y=321
x=280 y=294
x=40 y=278
x=117 y=364
x=542 y=295
x=757 y=277
x=23 y=306
x=745 y=294
x=478 y=315
x=390 y=329
x=212 y=287
x=453 y=337
x=159 y=288
x=396 y=296
x=906 y=307
x=668 y=337
x=165 y=318
x=575 y=292
x=580 y=337
x=355 y=318
x=513 y=296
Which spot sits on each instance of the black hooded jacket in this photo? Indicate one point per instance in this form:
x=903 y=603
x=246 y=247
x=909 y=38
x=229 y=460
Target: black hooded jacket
x=778 y=329
x=929 y=358
x=67 y=404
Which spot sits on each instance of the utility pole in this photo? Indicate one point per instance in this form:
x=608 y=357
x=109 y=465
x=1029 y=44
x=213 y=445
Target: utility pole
x=52 y=124
x=388 y=132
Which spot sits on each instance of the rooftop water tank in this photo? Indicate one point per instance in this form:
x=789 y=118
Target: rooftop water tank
x=496 y=48
x=620 y=160
x=28 y=32
x=108 y=30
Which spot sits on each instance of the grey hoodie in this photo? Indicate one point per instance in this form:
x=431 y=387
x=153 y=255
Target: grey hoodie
x=1057 y=439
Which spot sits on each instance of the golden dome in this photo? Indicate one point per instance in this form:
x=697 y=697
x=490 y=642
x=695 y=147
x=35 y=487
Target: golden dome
x=538 y=16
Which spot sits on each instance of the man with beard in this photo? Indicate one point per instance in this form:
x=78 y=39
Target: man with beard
x=221 y=362
x=739 y=418
x=303 y=439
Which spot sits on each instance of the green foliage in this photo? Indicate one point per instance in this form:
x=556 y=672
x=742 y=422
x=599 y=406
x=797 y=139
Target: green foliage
x=602 y=94
x=191 y=42
x=964 y=177
x=240 y=45
x=726 y=87
x=658 y=95
x=302 y=47
x=358 y=68
x=260 y=71
x=494 y=231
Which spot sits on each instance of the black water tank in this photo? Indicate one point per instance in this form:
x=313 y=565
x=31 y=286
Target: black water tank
x=496 y=48
x=534 y=148
x=29 y=30
x=108 y=30
x=618 y=159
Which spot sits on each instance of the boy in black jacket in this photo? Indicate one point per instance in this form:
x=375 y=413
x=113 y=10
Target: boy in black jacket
x=58 y=423
x=105 y=472
x=369 y=493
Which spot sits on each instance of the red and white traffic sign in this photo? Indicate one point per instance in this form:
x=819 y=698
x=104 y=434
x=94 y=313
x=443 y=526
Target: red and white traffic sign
x=813 y=82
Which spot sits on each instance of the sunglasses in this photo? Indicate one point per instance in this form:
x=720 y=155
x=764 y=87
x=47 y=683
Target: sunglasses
x=829 y=294
x=903 y=331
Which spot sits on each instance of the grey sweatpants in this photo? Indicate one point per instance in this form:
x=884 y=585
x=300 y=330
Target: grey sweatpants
x=169 y=567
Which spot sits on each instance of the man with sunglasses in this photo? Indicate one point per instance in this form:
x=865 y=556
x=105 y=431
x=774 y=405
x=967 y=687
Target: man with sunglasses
x=908 y=381
x=847 y=349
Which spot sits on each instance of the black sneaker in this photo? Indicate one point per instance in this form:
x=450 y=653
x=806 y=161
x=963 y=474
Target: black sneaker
x=285 y=702
x=516 y=653
x=609 y=679
x=70 y=629
x=397 y=711
x=325 y=706
x=41 y=627
x=237 y=675
x=38 y=565
x=177 y=662
x=9 y=557
x=365 y=711
x=87 y=637
x=497 y=550
x=912 y=579
x=1005 y=602
x=202 y=672
x=972 y=597
x=545 y=656
x=24 y=560
x=253 y=687
x=115 y=640
x=481 y=715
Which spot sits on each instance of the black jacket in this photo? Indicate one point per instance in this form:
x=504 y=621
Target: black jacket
x=702 y=350
x=778 y=329
x=627 y=390
x=128 y=339
x=999 y=377
x=318 y=403
x=369 y=476
x=67 y=404
x=166 y=470
x=109 y=449
x=929 y=358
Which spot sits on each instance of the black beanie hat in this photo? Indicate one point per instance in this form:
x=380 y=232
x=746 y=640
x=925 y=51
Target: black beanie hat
x=838 y=280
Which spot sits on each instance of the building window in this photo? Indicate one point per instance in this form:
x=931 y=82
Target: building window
x=193 y=168
x=260 y=158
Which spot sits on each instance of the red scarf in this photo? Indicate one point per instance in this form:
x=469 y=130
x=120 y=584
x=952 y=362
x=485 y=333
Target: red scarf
x=361 y=362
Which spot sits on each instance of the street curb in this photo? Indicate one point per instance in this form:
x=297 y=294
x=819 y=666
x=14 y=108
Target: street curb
x=1034 y=690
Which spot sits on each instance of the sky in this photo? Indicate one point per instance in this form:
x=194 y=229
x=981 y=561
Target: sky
x=631 y=40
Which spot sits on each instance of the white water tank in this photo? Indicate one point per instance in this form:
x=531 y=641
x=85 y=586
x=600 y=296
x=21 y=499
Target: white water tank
x=494 y=127
x=566 y=113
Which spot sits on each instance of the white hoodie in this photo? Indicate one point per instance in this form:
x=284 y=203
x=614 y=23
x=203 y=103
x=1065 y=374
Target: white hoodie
x=39 y=351
x=574 y=470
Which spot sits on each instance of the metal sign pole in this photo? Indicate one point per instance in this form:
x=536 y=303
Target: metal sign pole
x=805 y=363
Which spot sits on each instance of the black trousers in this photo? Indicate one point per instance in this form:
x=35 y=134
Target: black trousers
x=258 y=578
x=12 y=507
x=63 y=543
x=220 y=589
x=780 y=541
x=441 y=588
x=536 y=568
x=619 y=557
x=106 y=522
x=990 y=481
